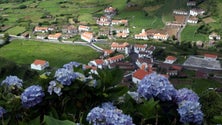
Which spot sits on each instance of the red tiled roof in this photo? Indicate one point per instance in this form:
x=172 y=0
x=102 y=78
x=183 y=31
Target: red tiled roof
x=140 y=45
x=117 y=45
x=210 y=55
x=171 y=58
x=39 y=62
x=140 y=74
x=121 y=56
x=99 y=61
x=57 y=35
x=108 y=51
x=177 y=67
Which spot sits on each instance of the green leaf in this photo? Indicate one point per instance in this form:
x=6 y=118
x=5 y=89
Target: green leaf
x=52 y=121
x=147 y=109
x=217 y=119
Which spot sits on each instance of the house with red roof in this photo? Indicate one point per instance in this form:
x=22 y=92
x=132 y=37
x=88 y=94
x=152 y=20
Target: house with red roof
x=93 y=69
x=56 y=36
x=83 y=28
x=87 y=36
x=41 y=29
x=103 y=21
x=39 y=64
x=210 y=57
x=138 y=75
x=119 y=22
x=97 y=63
x=110 y=10
x=107 y=52
x=124 y=47
x=139 y=47
x=170 y=59
x=143 y=35
x=114 y=59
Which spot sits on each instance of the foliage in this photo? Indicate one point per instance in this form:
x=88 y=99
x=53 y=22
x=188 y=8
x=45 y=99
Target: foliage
x=212 y=105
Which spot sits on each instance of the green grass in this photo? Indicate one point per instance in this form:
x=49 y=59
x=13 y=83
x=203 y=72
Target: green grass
x=25 y=52
x=16 y=30
x=198 y=85
x=189 y=34
x=139 y=21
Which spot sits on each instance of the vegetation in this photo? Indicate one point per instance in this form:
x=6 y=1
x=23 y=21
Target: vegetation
x=190 y=33
x=25 y=52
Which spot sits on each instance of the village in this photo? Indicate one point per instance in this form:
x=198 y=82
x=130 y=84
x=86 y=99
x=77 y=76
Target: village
x=136 y=60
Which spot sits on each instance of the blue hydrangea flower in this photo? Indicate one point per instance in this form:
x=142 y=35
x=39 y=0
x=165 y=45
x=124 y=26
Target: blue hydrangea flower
x=55 y=87
x=186 y=94
x=2 y=111
x=65 y=76
x=108 y=114
x=12 y=81
x=155 y=85
x=190 y=112
x=32 y=96
x=70 y=65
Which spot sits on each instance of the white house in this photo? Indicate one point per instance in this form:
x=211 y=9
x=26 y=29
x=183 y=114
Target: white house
x=139 y=47
x=97 y=63
x=143 y=35
x=193 y=20
x=214 y=36
x=160 y=36
x=87 y=36
x=119 y=47
x=83 y=28
x=211 y=57
x=54 y=36
x=114 y=59
x=170 y=59
x=180 y=12
x=196 y=11
x=138 y=75
x=41 y=29
x=39 y=64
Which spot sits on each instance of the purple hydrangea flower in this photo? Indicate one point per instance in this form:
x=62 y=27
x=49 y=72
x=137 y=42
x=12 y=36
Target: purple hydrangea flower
x=108 y=114
x=2 y=111
x=186 y=94
x=32 y=96
x=70 y=65
x=65 y=76
x=155 y=85
x=12 y=81
x=55 y=87
x=190 y=112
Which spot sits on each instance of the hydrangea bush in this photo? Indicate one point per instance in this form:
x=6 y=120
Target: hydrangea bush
x=12 y=81
x=158 y=86
x=32 y=96
x=82 y=97
x=108 y=114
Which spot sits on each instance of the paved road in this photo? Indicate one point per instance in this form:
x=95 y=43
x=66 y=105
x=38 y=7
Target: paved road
x=181 y=29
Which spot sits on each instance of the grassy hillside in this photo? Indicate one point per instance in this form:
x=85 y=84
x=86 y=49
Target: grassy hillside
x=25 y=52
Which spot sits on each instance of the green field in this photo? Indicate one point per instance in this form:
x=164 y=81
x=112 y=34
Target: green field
x=189 y=34
x=25 y=52
x=16 y=30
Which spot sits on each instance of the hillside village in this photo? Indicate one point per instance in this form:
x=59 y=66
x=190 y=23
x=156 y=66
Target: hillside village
x=136 y=60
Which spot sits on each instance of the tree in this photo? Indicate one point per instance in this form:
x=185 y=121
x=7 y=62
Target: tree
x=211 y=104
x=6 y=38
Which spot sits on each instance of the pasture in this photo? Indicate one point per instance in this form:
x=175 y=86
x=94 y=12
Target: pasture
x=190 y=34
x=26 y=51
